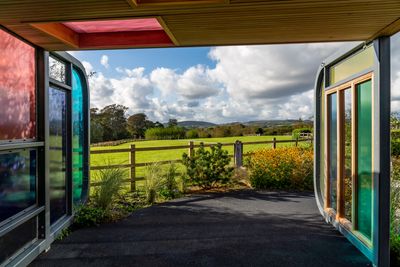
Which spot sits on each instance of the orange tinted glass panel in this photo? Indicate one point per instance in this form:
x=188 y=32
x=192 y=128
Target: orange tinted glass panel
x=17 y=89
x=147 y=24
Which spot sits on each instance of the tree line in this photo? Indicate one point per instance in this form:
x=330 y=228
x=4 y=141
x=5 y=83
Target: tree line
x=112 y=123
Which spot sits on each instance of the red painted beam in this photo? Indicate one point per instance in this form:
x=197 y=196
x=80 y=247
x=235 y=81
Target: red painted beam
x=124 y=39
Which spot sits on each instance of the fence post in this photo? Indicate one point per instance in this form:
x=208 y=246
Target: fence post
x=132 y=159
x=297 y=141
x=274 y=143
x=191 y=149
x=238 y=154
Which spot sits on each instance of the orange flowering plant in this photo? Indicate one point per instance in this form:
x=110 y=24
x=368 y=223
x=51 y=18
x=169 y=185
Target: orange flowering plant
x=286 y=168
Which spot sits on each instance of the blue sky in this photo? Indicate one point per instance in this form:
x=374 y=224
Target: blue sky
x=216 y=84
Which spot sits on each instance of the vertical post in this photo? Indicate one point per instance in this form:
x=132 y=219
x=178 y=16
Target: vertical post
x=132 y=159
x=191 y=149
x=274 y=143
x=238 y=154
x=297 y=141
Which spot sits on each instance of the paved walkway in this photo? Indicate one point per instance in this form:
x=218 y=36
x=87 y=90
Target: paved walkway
x=245 y=228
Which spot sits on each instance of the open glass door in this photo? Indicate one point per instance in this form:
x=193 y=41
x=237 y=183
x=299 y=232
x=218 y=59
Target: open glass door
x=352 y=149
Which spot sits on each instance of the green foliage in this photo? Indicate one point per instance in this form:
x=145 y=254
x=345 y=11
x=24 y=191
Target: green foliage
x=208 y=168
x=395 y=147
x=111 y=181
x=88 y=215
x=394 y=214
x=137 y=125
x=153 y=182
x=297 y=132
x=395 y=134
x=288 y=168
x=64 y=233
x=192 y=134
x=165 y=133
x=169 y=189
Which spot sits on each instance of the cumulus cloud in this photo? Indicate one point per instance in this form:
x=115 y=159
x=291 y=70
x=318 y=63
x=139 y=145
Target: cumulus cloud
x=104 y=61
x=88 y=67
x=247 y=83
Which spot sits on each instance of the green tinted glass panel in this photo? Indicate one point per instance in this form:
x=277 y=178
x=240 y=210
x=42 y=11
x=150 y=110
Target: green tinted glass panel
x=332 y=100
x=322 y=147
x=348 y=184
x=352 y=65
x=77 y=136
x=364 y=160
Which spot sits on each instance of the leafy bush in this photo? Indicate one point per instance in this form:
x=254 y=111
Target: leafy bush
x=153 y=182
x=88 y=215
x=394 y=214
x=169 y=188
x=110 y=183
x=192 y=134
x=208 y=168
x=287 y=168
x=165 y=133
x=297 y=132
x=395 y=134
x=395 y=147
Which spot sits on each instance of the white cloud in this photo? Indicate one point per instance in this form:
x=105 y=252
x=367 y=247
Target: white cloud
x=247 y=83
x=104 y=61
x=88 y=67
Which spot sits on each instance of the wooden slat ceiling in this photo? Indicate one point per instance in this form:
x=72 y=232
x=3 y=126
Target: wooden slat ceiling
x=215 y=22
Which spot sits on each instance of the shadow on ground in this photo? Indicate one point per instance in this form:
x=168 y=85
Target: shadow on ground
x=243 y=228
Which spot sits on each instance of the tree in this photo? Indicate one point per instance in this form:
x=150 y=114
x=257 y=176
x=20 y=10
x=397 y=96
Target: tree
x=172 y=122
x=96 y=130
x=112 y=119
x=137 y=124
x=260 y=131
x=158 y=124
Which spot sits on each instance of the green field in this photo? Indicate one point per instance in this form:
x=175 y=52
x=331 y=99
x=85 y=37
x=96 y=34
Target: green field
x=161 y=155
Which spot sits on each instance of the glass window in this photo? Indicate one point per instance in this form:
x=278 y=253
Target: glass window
x=332 y=104
x=348 y=184
x=58 y=152
x=364 y=159
x=56 y=69
x=78 y=137
x=17 y=182
x=17 y=238
x=352 y=65
x=17 y=89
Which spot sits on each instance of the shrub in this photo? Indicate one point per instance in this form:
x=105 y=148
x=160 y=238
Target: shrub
x=208 y=168
x=88 y=215
x=287 y=168
x=169 y=188
x=394 y=214
x=110 y=183
x=297 y=132
x=395 y=134
x=153 y=182
x=192 y=134
x=395 y=147
x=165 y=133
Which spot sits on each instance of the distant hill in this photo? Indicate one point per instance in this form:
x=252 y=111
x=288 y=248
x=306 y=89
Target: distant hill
x=196 y=124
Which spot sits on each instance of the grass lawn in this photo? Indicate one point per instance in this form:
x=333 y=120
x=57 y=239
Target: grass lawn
x=152 y=156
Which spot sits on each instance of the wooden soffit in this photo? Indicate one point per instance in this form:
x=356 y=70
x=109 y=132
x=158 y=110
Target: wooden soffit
x=200 y=22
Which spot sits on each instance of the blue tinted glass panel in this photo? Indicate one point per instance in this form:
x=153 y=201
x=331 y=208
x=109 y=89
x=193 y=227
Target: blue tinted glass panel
x=58 y=152
x=17 y=182
x=77 y=136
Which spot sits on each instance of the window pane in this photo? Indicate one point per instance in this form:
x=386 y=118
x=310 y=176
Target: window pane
x=364 y=161
x=352 y=65
x=17 y=238
x=78 y=135
x=56 y=69
x=347 y=155
x=17 y=182
x=17 y=89
x=58 y=153
x=332 y=149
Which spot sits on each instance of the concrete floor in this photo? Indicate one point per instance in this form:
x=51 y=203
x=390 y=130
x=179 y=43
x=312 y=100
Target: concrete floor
x=244 y=228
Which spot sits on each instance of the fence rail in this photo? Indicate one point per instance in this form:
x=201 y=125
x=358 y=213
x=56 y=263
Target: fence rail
x=132 y=165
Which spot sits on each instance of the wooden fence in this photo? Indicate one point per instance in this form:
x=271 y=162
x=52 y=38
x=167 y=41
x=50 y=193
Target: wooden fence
x=237 y=155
